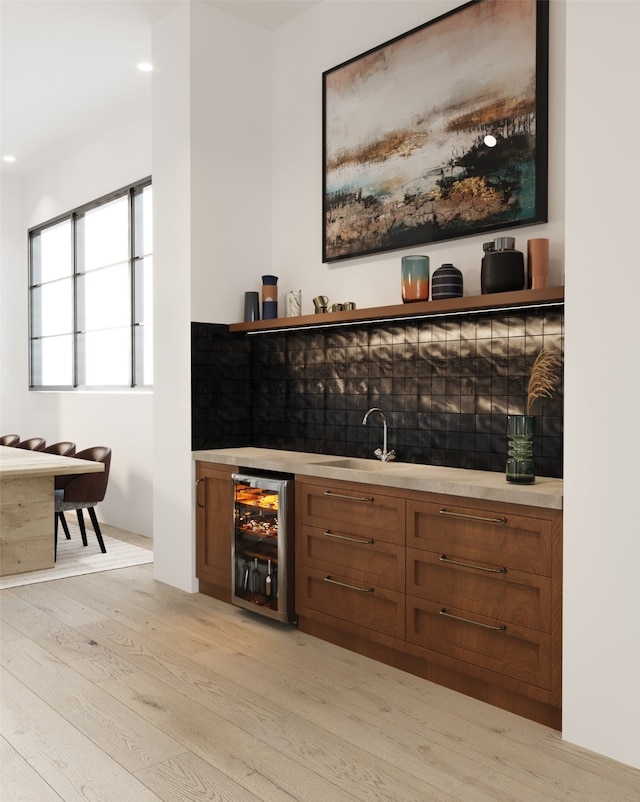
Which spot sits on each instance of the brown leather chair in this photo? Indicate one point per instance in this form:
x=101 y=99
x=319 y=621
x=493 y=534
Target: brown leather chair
x=33 y=444
x=63 y=449
x=83 y=491
x=9 y=439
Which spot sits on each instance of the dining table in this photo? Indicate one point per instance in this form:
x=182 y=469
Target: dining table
x=27 y=506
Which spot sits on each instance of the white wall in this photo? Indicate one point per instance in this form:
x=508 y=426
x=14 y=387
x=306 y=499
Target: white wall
x=231 y=163
x=119 y=420
x=212 y=229
x=602 y=382
x=174 y=543
x=13 y=305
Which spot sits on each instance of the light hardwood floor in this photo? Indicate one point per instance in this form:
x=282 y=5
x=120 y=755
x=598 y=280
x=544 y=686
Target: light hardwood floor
x=118 y=688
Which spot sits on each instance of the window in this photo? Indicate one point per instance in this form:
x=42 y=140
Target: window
x=90 y=295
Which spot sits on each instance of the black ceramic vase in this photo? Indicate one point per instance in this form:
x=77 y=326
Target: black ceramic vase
x=502 y=266
x=446 y=283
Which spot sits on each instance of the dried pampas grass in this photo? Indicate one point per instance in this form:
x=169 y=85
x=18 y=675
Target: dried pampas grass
x=544 y=376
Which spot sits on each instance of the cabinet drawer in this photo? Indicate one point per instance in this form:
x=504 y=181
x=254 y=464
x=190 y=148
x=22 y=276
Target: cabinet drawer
x=357 y=509
x=506 y=649
x=509 y=595
x=363 y=560
x=481 y=534
x=375 y=608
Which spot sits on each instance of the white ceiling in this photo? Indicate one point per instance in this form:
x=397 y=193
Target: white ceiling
x=71 y=65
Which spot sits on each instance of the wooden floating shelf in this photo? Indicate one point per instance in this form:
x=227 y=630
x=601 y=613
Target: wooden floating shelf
x=451 y=306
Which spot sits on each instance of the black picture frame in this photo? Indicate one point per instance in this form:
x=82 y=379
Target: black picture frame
x=405 y=127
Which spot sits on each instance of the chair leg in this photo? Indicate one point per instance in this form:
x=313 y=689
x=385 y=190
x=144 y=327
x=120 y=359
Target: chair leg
x=63 y=521
x=83 y=531
x=96 y=528
x=55 y=536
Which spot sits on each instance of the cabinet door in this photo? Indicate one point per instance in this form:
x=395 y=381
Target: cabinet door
x=214 y=521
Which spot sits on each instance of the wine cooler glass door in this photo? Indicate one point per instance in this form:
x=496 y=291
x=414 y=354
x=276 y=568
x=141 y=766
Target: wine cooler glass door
x=260 y=558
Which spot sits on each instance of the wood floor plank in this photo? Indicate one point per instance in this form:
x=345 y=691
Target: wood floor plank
x=466 y=739
x=251 y=762
x=20 y=782
x=64 y=642
x=124 y=736
x=67 y=611
x=453 y=764
x=191 y=779
x=350 y=766
x=213 y=691
x=97 y=591
x=72 y=765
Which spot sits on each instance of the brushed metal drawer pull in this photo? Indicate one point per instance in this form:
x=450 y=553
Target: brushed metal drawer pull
x=344 y=585
x=499 y=628
x=445 y=559
x=365 y=499
x=359 y=540
x=444 y=511
x=201 y=479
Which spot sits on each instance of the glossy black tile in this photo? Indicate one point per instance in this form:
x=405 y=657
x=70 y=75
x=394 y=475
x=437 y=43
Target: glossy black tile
x=446 y=384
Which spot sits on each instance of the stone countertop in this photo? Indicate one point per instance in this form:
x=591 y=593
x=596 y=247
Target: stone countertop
x=488 y=485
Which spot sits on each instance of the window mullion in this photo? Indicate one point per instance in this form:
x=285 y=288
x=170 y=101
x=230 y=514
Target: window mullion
x=74 y=256
x=132 y=278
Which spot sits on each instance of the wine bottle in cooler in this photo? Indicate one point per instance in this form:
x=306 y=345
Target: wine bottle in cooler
x=256 y=580
x=268 y=582
x=246 y=575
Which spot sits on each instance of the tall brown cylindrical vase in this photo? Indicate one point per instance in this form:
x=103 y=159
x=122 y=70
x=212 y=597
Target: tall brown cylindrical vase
x=538 y=263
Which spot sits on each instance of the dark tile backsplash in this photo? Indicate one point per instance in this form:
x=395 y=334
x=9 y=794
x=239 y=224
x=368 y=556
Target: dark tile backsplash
x=445 y=386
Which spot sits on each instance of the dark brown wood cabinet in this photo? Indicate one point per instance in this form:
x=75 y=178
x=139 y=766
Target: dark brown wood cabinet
x=214 y=524
x=481 y=578
x=476 y=606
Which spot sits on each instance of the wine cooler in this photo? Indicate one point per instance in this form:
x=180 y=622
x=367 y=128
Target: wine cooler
x=262 y=545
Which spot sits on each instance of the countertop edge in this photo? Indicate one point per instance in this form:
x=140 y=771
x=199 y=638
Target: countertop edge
x=546 y=492
x=25 y=464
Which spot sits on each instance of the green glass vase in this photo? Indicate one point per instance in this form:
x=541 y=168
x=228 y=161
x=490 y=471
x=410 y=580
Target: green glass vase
x=520 y=432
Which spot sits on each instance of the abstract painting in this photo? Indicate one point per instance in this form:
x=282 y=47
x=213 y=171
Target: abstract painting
x=439 y=133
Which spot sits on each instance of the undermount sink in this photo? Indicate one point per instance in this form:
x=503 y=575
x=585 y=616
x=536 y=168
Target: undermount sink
x=355 y=464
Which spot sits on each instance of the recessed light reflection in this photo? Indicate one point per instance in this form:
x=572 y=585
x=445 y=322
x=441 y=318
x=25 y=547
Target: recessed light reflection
x=490 y=141
x=144 y=66
x=9 y=159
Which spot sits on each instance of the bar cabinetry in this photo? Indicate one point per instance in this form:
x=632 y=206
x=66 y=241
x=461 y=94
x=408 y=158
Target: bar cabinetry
x=464 y=592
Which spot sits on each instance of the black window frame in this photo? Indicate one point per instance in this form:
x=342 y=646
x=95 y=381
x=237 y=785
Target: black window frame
x=136 y=373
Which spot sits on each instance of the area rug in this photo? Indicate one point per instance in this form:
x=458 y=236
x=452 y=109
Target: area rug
x=74 y=559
